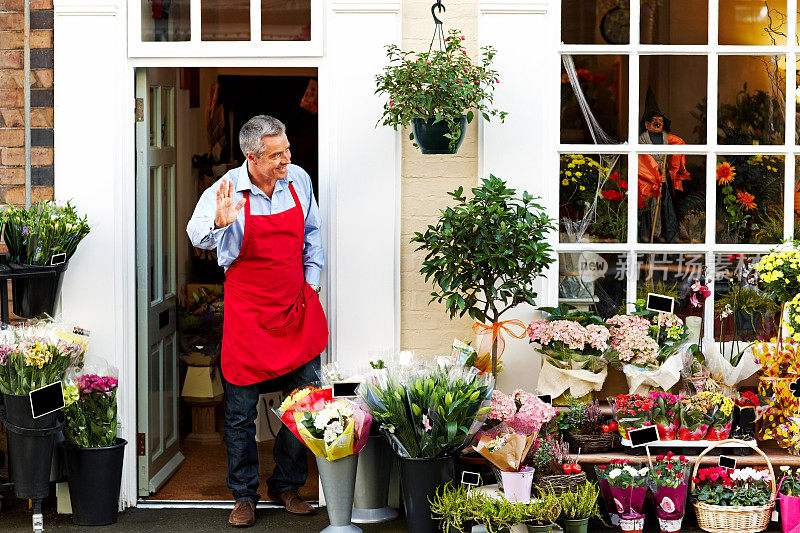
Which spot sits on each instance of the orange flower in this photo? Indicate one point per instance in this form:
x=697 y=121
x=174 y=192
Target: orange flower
x=725 y=173
x=746 y=199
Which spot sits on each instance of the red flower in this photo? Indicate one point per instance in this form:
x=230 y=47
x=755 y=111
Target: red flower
x=612 y=195
x=669 y=466
x=679 y=475
x=623 y=185
x=601 y=467
x=714 y=476
x=614 y=176
x=658 y=472
x=660 y=458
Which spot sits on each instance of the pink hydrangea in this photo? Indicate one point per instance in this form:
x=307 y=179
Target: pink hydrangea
x=631 y=341
x=503 y=407
x=572 y=334
x=532 y=414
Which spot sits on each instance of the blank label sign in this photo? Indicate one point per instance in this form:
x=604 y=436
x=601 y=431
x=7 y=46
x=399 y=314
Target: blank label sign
x=47 y=399
x=643 y=436
x=660 y=303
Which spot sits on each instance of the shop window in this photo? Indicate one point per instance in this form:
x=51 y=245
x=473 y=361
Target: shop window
x=674 y=86
x=752 y=100
x=671 y=203
x=796 y=207
x=593 y=281
x=593 y=198
x=674 y=22
x=670 y=275
x=749 y=22
x=604 y=22
x=285 y=21
x=750 y=199
x=603 y=80
x=225 y=21
x=165 y=20
x=742 y=312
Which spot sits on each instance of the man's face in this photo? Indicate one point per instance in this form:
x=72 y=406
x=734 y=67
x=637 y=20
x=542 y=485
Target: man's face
x=274 y=159
x=656 y=124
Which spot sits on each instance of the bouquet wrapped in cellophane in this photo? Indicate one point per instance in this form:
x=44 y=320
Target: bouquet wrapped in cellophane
x=428 y=410
x=37 y=354
x=331 y=428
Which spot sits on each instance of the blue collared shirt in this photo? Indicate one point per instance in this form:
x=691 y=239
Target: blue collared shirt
x=228 y=240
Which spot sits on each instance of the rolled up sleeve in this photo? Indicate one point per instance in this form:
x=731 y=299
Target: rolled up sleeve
x=201 y=226
x=313 y=253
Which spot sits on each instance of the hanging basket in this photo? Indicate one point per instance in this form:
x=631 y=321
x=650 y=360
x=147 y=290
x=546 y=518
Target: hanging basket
x=726 y=518
x=430 y=136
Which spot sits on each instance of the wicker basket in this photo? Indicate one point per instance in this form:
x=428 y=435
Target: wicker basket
x=561 y=482
x=600 y=442
x=727 y=518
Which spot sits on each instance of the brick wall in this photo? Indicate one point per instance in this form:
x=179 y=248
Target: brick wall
x=426 y=179
x=12 y=103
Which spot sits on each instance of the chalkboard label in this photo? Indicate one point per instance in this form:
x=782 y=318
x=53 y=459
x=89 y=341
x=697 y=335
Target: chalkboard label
x=471 y=479
x=546 y=398
x=727 y=462
x=345 y=389
x=660 y=303
x=643 y=436
x=47 y=399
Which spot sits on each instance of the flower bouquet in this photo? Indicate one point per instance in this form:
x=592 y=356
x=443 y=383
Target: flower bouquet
x=506 y=453
x=572 y=355
x=335 y=430
x=696 y=412
x=631 y=411
x=665 y=414
x=780 y=367
x=627 y=487
x=789 y=497
x=32 y=356
x=90 y=411
x=788 y=435
x=668 y=481
x=520 y=412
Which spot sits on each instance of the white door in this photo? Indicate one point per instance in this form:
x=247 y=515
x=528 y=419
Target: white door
x=157 y=351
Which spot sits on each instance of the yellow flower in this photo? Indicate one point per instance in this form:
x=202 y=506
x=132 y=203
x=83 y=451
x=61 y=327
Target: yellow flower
x=579 y=174
x=568 y=173
x=565 y=182
x=584 y=188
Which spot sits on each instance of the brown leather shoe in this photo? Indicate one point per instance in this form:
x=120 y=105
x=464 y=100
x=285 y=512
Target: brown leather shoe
x=243 y=514
x=292 y=502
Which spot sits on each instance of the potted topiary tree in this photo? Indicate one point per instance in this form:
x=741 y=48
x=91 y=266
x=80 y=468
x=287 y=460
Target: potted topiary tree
x=484 y=255
x=437 y=92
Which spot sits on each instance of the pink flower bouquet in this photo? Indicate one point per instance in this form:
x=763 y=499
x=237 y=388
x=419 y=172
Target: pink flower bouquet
x=568 y=344
x=520 y=412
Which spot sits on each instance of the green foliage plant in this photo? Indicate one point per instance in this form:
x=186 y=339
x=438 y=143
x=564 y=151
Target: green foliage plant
x=44 y=230
x=542 y=510
x=581 y=502
x=438 y=85
x=455 y=507
x=485 y=253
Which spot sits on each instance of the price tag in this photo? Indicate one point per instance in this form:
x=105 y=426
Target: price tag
x=345 y=389
x=81 y=331
x=470 y=479
x=47 y=399
x=774 y=515
x=660 y=303
x=58 y=259
x=643 y=436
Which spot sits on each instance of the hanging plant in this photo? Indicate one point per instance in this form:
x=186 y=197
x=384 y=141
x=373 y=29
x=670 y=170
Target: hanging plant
x=441 y=88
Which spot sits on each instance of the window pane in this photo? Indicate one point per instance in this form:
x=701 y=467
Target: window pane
x=591 y=281
x=752 y=100
x=670 y=275
x=750 y=199
x=225 y=21
x=672 y=198
x=593 y=198
x=673 y=86
x=741 y=311
x=165 y=20
x=603 y=22
x=797 y=197
x=674 y=22
x=752 y=22
x=285 y=21
x=603 y=80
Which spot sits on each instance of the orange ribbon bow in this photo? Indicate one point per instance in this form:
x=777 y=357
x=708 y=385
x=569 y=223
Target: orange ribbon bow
x=483 y=362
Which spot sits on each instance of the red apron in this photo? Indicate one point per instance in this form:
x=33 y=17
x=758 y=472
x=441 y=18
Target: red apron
x=273 y=321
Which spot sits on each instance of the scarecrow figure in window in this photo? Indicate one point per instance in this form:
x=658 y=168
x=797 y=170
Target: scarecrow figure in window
x=660 y=177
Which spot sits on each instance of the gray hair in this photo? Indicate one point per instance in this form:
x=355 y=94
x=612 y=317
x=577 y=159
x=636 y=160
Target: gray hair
x=257 y=128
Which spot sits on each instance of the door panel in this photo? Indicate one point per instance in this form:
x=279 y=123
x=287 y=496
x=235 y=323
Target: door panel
x=156 y=279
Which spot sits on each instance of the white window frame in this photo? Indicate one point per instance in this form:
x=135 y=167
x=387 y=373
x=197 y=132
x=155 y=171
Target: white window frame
x=196 y=47
x=789 y=150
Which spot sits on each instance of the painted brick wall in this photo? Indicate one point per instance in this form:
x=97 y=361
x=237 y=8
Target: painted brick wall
x=426 y=179
x=12 y=103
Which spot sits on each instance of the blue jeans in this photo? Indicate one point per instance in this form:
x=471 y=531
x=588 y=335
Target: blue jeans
x=291 y=461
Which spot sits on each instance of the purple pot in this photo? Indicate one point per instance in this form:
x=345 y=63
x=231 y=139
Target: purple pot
x=629 y=501
x=670 y=504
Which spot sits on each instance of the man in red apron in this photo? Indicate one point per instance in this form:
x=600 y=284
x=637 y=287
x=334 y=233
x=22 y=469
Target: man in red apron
x=264 y=223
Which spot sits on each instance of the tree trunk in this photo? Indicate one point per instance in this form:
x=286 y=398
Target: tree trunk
x=494 y=358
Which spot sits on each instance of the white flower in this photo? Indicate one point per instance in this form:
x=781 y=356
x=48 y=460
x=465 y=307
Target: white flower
x=643 y=471
x=785 y=468
x=333 y=432
x=615 y=473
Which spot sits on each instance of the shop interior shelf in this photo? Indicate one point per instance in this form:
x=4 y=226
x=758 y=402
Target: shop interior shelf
x=777 y=457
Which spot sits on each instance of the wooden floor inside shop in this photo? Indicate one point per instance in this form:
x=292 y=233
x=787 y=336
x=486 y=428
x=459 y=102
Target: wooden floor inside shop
x=205 y=467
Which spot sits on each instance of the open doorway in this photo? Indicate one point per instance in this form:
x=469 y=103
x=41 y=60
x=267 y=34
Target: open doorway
x=187 y=138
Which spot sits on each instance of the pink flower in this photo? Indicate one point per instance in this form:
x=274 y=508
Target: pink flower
x=705 y=292
x=696 y=285
x=694 y=301
x=426 y=423
x=503 y=408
